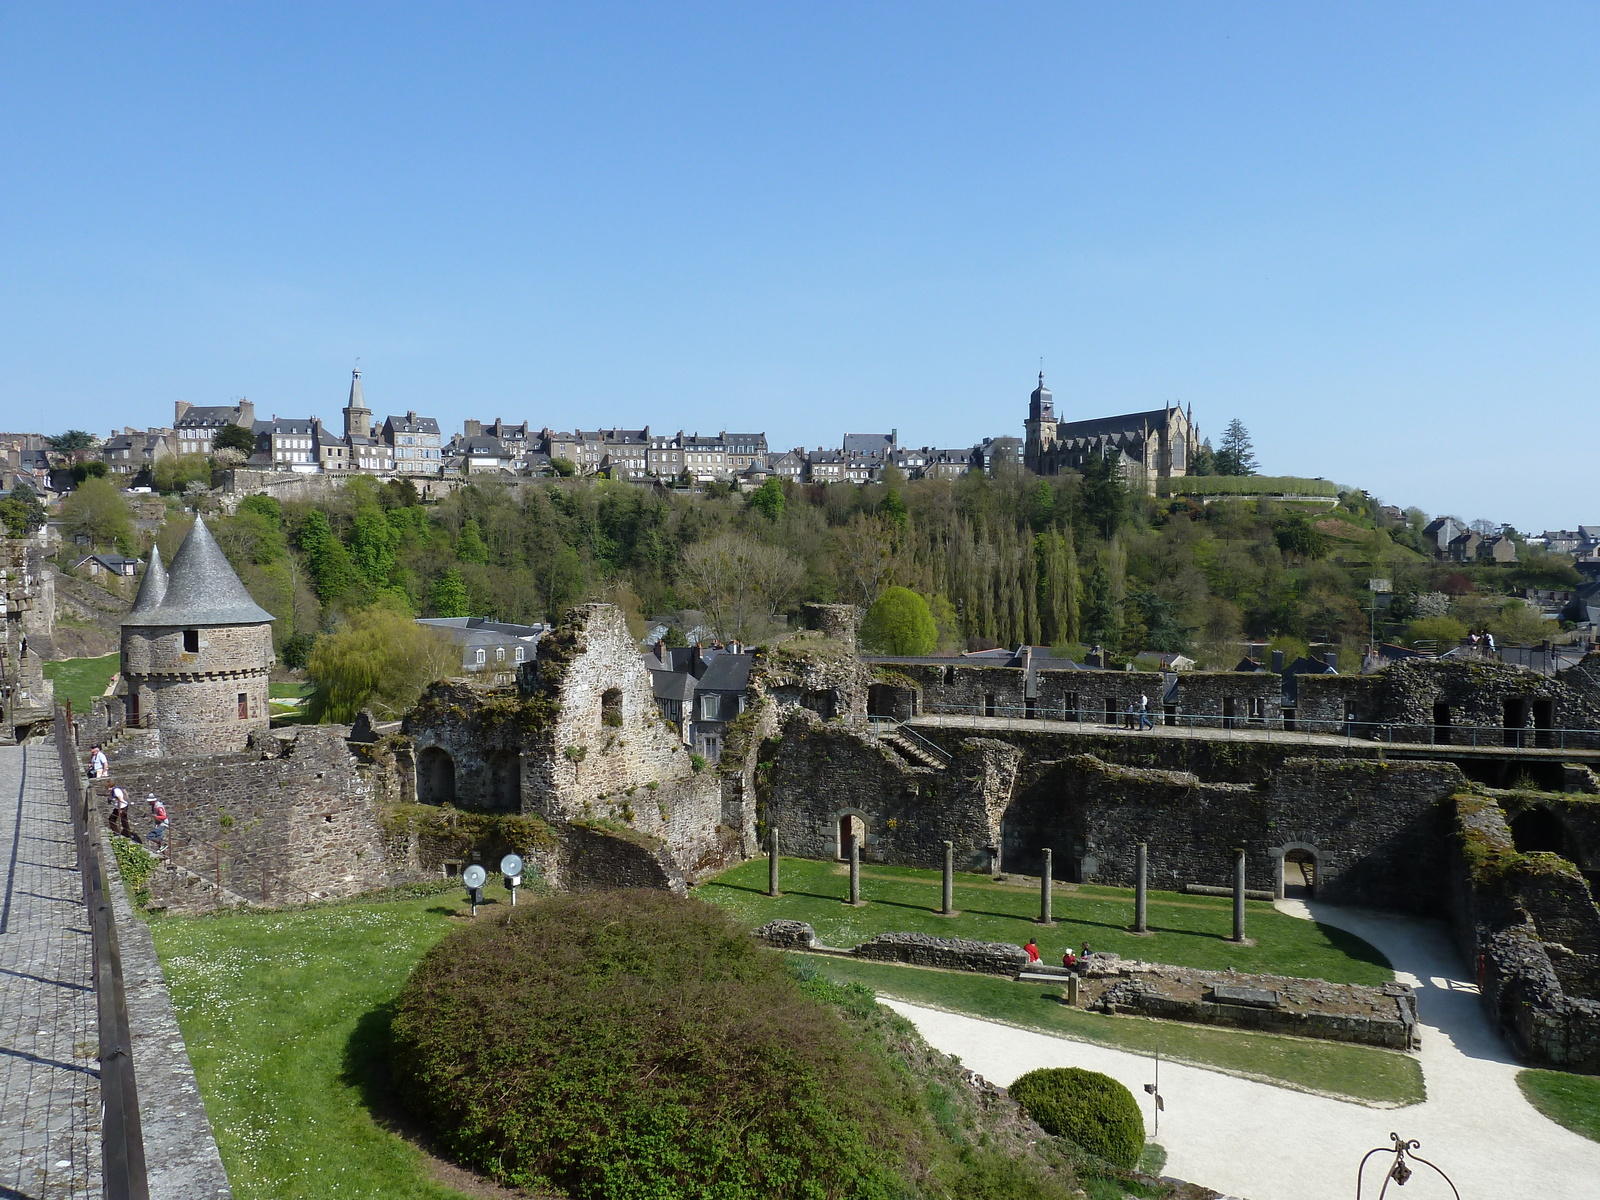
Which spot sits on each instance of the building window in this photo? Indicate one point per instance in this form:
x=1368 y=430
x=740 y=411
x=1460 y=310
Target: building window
x=244 y=706
x=191 y=641
x=480 y=657
x=521 y=653
x=710 y=708
x=500 y=654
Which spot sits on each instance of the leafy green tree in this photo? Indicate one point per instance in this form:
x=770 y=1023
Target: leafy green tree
x=1445 y=632
x=900 y=623
x=88 y=470
x=176 y=472
x=373 y=542
x=449 y=595
x=96 y=510
x=1298 y=538
x=1103 y=500
x=894 y=508
x=266 y=506
x=470 y=546
x=381 y=659
x=22 y=511
x=1237 y=456
x=1102 y=615
x=1059 y=587
x=1205 y=460
x=562 y=466
x=768 y=499
x=235 y=437
x=333 y=575
x=73 y=441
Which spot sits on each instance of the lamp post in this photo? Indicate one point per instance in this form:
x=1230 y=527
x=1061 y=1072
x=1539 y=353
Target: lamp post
x=1400 y=1169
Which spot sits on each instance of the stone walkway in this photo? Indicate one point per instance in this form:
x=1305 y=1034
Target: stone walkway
x=1268 y=1143
x=49 y=1078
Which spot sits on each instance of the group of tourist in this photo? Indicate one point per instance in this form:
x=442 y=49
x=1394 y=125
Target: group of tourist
x=1483 y=642
x=1137 y=714
x=117 y=799
x=1071 y=960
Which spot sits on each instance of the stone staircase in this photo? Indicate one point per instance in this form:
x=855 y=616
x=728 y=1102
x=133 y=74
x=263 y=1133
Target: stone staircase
x=915 y=751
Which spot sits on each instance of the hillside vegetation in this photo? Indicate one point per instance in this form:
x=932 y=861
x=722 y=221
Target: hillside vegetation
x=1066 y=561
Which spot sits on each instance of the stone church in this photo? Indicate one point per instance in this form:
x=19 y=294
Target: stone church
x=1147 y=446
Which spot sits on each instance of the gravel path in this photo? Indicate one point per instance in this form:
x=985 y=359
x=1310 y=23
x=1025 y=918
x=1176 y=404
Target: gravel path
x=1269 y=1143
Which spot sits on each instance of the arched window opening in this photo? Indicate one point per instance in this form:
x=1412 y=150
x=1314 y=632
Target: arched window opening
x=851 y=825
x=611 y=707
x=1299 y=874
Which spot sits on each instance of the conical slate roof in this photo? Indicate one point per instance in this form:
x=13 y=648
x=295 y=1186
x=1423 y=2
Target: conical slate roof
x=357 y=399
x=201 y=589
x=152 y=590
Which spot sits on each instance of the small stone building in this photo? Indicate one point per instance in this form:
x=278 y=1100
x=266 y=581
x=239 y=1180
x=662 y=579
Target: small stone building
x=196 y=653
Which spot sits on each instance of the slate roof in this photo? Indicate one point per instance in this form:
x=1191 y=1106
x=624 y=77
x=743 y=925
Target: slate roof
x=152 y=590
x=201 y=588
x=201 y=417
x=1103 y=426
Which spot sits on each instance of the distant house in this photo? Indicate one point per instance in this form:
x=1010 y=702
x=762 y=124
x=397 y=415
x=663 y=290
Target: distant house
x=417 y=447
x=1464 y=546
x=108 y=564
x=1440 y=532
x=484 y=453
x=744 y=451
x=875 y=445
x=699 y=692
x=133 y=450
x=1500 y=549
x=825 y=466
x=196 y=427
x=790 y=465
x=948 y=464
x=489 y=647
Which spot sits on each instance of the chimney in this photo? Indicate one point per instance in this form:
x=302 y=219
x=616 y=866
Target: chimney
x=697 y=664
x=661 y=649
x=1277 y=662
x=1331 y=657
x=179 y=407
x=247 y=413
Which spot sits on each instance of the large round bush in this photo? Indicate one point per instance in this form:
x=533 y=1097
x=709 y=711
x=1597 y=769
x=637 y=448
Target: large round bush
x=627 y=1044
x=1092 y=1109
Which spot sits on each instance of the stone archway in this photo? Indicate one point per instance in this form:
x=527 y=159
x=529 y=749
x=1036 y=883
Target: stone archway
x=1303 y=871
x=436 y=776
x=841 y=825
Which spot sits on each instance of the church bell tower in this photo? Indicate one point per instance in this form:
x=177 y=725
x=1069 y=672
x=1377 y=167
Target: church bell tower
x=1040 y=427
x=357 y=416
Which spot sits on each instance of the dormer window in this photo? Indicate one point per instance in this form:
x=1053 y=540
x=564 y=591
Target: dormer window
x=480 y=657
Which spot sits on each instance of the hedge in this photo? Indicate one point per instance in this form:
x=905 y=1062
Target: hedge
x=1091 y=1109
x=1246 y=485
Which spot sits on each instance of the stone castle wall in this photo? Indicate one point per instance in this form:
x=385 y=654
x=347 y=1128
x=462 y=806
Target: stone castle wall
x=192 y=697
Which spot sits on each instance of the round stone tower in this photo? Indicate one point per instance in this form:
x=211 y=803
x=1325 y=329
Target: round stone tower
x=196 y=652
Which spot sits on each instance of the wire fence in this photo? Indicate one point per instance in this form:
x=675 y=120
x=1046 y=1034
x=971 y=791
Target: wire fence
x=1530 y=734
x=121 y=1136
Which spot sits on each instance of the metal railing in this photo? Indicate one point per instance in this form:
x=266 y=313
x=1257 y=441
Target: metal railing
x=121 y=1135
x=1278 y=728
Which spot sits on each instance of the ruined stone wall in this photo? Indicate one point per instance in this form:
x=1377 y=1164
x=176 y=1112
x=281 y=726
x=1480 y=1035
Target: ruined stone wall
x=283 y=823
x=1541 y=994
x=1474 y=693
x=825 y=771
x=593 y=859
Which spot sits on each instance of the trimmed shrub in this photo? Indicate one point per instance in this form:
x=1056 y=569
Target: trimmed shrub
x=1092 y=1109
x=628 y=1044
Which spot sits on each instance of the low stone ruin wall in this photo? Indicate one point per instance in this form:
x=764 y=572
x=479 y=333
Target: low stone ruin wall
x=1374 y=1016
x=958 y=954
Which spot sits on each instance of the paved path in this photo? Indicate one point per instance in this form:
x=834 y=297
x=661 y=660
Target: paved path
x=1269 y=1143
x=49 y=1081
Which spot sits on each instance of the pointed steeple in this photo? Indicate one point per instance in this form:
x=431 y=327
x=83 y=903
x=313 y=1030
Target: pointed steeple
x=357 y=416
x=201 y=589
x=152 y=590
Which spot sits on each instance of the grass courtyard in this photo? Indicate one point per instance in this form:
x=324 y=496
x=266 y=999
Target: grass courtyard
x=82 y=680
x=1569 y=1100
x=1190 y=931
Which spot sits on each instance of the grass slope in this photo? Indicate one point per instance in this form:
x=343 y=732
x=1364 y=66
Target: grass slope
x=1364 y=1073
x=81 y=680
x=283 y=1014
x=1190 y=931
x=1572 y=1101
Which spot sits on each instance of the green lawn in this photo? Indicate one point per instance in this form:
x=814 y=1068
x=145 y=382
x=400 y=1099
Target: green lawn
x=1190 y=931
x=1569 y=1100
x=81 y=680
x=285 y=1014
x=287 y=689
x=1364 y=1073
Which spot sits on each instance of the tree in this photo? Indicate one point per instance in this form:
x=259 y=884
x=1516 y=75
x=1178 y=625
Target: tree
x=73 y=442
x=235 y=437
x=1237 y=456
x=1103 y=499
x=1060 y=591
x=738 y=582
x=176 y=472
x=97 y=511
x=469 y=546
x=868 y=559
x=1298 y=538
x=900 y=623
x=88 y=470
x=768 y=499
x=23 y=512
x=381 y=659
x=895 y=509
x=449 y=595
x=332 y=573
x=1205 y=460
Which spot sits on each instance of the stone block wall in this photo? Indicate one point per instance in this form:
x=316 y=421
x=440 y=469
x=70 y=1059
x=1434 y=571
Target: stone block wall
x=956 y=954
x=287 y=822
x=191 y=698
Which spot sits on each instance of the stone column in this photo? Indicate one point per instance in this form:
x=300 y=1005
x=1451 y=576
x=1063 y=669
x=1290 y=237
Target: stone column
x=855 y=870
x=1072 y=989
x=1238 y=895
x=1139 y=914
x=772 y=862
x=1045 y=890
x=949 y=906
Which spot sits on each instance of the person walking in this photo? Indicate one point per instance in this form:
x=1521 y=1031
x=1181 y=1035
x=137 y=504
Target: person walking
x=98 y=763
x=1144 y=712
x=119 y=811
x=159 y=826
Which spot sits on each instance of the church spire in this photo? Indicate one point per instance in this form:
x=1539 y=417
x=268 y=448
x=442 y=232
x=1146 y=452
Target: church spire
x=357 y=416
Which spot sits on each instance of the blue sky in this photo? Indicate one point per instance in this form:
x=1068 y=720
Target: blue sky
x=1367 y=230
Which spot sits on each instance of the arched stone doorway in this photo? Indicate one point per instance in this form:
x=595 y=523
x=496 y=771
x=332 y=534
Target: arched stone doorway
x=844 y=823
x=436 y=777
x=505 y=781
x=1297 y=870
